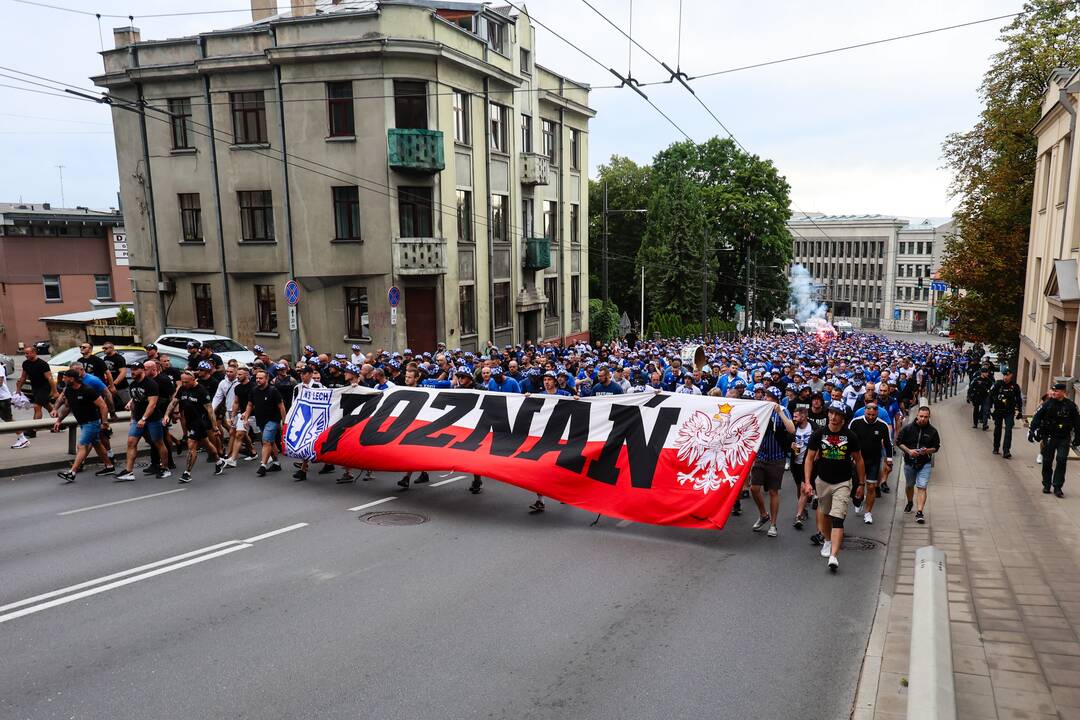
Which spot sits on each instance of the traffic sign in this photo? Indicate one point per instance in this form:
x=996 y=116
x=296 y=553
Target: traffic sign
x=393 y=316
x=393 y=296
x=292 y=317
x=939 y=286
x=292 y=292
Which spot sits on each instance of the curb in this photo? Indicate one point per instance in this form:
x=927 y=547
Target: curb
x=10 y=473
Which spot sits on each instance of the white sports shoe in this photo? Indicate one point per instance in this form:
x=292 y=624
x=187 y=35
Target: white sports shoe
x=834 y=564
x=859 y=510
x=868 y=518
x=21 y=442
x=230 y=462
x=772 y=531
x=826 y=549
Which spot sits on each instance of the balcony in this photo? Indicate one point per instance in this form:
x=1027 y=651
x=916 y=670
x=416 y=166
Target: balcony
x=534 y=169
x=537 y=253
x=416 y=151
x=420 y=256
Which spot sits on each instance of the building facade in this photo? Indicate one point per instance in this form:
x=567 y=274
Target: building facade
x=874 y=270
x=355 y=147
x=54 y=261
x=1048 y=337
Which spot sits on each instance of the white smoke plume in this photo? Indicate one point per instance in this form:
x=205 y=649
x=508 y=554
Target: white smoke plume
x=801 y=297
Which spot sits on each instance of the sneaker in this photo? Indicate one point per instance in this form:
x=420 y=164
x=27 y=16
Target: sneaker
x=910 y=504
x=995 y=451
x=368 y=476
x=787 y=464
x=275 y=466
x=299 y=476
x=107 y=470
x=219 y=467
x=536 y=507
x=986 y=427
x=476 y=487
x=151 y=470
x=67 y=476
x=404 y=482
x=126 y=476
x=261 y=472
x=919 y=517
x=298 y=465
x=21 y=442
x=737 y=509
x=817 y=539
x=772 y=531
x=868 y=518
x=826 y=548
x=761 y=522
x=1059 y=493
x=326 y=470
x=814 y=503
x=422 y=477
x=884 y=487
x=1006 y=455
x=230 y=462
x=859 y=510
x=834 y=564
x=1038 y=458
x=1046 y=490
x=798 y=523
x=165 y=472
x=346 y=477
x=744 y=494
x=185 y=477
x=249 y=458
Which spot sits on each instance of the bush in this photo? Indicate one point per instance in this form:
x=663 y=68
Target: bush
x=125 y=317
x=670 y=325
x=603 y=320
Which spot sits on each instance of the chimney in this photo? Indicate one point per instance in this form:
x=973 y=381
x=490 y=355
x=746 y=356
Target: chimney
x=124 y=36
x=262 y=9
x=303 y=7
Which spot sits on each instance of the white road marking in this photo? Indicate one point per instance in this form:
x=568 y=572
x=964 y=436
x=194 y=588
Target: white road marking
x=624 y=523
x=121 y=502
x=371 y=504
x=114 y=576
x=272 y=533
x=443 y=482
x=119 y=583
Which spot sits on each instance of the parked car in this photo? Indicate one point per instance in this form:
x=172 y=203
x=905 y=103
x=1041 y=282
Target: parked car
x=9 y=364
x=62 y=360
x=225 y=347
x=943 y=332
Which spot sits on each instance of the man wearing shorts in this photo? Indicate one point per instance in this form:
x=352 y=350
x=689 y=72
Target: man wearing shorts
x=42 y=389
x=873 y=433
x=146 y=413
x=199 y=422
x=768 y=470
x=92 y=415
x=831 y=452
x=918 y=441
x=801 y=438
x=268 y=408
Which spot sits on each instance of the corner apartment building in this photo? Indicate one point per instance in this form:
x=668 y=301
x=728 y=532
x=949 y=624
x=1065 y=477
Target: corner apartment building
x=55 y=261
x=873 y=270
x=355 y=147
x=1048 y=337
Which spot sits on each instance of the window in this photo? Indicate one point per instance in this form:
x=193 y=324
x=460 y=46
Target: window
x=204 y=308
x=526 y=133
x=339 y=106
x=461 y=117
x=414 y=212
x=500 y=218
x=575 y=150
x=502 y=304
x=346 y=213
x=410 y=104
x=265 y=309
x=467 y=309
x=256 y=215
x=495 y=34
x=249 y=117
x=52 y=288
x=103 y=287
x=527 y=214
x=179 y=118
x=190 y=217
x=551 y=289
x=356 y=313
x=575 y=294
x=526 y=62
x=500 y=119
x=464 y=216
x=547 y=127
x=551 y=219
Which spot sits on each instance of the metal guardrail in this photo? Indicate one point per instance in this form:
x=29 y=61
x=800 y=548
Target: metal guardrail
x=931 y=688
x=46 y=423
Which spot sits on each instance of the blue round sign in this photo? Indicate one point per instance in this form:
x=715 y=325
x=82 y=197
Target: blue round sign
x=292 y=292
x=394 y=296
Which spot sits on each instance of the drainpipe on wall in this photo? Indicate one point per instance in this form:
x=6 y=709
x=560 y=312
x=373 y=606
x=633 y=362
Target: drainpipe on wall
x=1063 y=98
x=561 y=195
x=217 y=194
x=294 y=334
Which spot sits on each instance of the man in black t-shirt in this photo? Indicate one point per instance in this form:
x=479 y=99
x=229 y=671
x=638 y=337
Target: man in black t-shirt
x=93 y=365
x=266 y=405
x=117 y=367
x=830 y=454
x=146 y=408
x=92 y=416
x=42 y=388
x=200 y=422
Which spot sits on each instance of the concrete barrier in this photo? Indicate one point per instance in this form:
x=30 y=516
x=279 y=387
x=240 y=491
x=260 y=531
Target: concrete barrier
x=931 y=690
x=46 y=423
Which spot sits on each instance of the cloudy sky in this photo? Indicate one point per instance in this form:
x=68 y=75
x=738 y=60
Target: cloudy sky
x=854 y=132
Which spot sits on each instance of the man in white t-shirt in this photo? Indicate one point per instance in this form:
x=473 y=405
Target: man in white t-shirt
x=5 y=396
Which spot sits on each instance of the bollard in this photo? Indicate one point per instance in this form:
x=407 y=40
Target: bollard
x=931 y=690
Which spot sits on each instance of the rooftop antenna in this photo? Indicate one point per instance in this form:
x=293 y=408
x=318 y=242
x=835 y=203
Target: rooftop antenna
x=61 y=169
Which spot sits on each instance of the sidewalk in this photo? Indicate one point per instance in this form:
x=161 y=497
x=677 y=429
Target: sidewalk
x=1014 y=582
x=47 y=451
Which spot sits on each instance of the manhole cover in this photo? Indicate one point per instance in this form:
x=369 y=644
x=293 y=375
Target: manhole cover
x=393 y=519
x=855 y=542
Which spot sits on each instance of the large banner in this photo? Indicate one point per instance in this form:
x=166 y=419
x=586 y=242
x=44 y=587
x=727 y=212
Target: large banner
x=660 y=458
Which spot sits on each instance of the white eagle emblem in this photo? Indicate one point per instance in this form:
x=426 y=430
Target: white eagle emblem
x=714 y=445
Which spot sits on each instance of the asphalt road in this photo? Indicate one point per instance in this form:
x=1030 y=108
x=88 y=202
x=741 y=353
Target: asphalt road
x=482 y=611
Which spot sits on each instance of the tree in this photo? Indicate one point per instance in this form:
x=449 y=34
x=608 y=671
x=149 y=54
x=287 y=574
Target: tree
x=628 y=189
x=993 y=167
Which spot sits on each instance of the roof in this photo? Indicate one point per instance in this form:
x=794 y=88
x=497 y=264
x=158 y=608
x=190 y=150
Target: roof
x=928 y=224
x=45 y=211
x=820 y=217
x=87 y=315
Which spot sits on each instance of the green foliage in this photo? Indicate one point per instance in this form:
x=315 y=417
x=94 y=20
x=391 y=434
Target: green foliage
x=628 y=189
x=670 y=325
x=124 y=316
x=993 y=168
x=603 y=320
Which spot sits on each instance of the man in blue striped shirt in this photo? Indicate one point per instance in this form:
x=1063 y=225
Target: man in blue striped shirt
x=768 y=470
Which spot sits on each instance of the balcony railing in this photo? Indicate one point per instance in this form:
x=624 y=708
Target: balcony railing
x=537 y=253
x=534 y=169
x=420 y=256
x=416 y=151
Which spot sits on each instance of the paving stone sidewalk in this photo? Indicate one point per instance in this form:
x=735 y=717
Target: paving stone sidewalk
x=1014 y=583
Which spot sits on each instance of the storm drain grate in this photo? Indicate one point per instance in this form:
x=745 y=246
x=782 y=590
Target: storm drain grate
x=393 y=519
x=856 y=542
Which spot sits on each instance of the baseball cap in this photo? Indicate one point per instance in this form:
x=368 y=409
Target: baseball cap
x=149 y=346
x=355 y=347
x=498 y=370
x=203 y=365
x=305 y=368
x=463 y=371
x=1060 y=386
x=192 y=344
x=838 y=407
x=258 y=349
x=309 y=348
x=775 y=391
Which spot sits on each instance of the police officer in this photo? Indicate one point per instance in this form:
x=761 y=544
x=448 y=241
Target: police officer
x=1006 y=402
x=1054 y=422
x=978 y=392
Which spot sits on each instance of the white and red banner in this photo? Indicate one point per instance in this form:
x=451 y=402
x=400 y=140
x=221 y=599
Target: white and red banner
x=659 y=458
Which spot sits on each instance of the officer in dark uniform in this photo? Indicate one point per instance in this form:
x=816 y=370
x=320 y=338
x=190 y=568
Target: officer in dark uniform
x=1006 y=403
x=978 y=392
x=1054 y=423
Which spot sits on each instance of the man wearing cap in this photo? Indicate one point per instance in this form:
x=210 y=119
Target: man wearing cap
x=357 y=356
x=830 y=455
x=92 y=415
x=1006 y=401
x=767 y=473
x=193 y=355
x=499 y=381
x=1056 y=420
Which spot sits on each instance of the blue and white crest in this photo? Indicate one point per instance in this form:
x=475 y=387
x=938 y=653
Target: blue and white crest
x=308 y=417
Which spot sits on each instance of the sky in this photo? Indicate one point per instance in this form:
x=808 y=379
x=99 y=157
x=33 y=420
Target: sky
x=853 y=132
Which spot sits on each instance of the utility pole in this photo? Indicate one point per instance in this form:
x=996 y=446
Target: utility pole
x=704 y=284
x=603 y=270
x=643 y=300
x=63 y=203
x=746 y=311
